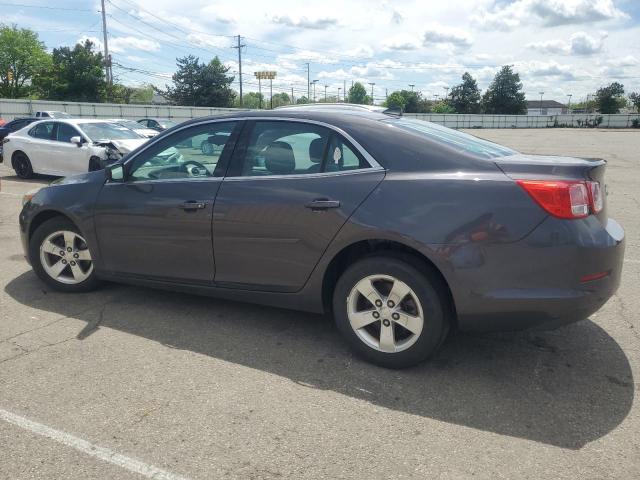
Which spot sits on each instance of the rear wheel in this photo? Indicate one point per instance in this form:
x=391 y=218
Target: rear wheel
x=61 y=258
x=391 y=313
x=22 y=165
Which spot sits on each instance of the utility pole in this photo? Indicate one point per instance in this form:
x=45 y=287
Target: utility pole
x=292 y=99
x=260 y=93
x=239 y=47
x=372 y=84
x=412 y=85
x=386 y=94
x=541 y=94
x=344 y=91
x=339 y=88
x=325 y=93
x=107 y=58
x=308 y=83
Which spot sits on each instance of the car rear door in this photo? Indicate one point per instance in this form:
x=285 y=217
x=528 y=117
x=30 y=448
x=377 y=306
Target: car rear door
x=38 y=145
x=291 y=186
x=157 y=222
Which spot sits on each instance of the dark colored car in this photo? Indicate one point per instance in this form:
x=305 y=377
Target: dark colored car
x=402 y=229
x=13 y=126
x=159 y=124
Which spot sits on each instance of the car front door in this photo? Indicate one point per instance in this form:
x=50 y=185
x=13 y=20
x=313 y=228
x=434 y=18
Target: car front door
x=156 y=223
x=290 y=188
x=68 y=158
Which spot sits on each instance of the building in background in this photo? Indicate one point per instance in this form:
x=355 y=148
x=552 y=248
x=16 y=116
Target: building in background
x=546 y=107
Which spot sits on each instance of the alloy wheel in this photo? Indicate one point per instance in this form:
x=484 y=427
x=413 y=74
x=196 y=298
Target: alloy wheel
x=385 y=313
x=65 y=257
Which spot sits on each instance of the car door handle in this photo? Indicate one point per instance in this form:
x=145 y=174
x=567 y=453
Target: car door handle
x=193 y=205
x=323 y=204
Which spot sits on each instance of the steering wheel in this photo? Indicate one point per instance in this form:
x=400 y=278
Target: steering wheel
x=194 y=169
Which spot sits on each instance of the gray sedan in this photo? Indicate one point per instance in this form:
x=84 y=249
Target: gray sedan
x=402 y=230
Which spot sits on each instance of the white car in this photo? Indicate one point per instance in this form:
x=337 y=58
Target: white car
x=136 y=127
x=65 y=147
x=52 y=114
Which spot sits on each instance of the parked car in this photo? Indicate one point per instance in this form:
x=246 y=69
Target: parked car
x=402 y=229
x=136 y=127
x=67 y=147
x=52 y=114
x=13 y=126
x=157 y=124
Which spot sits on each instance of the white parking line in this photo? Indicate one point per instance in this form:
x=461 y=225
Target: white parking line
x=131 y=464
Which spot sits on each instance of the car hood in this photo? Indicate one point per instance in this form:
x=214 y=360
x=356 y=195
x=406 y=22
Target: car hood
x=147 y=132
x=128 y=145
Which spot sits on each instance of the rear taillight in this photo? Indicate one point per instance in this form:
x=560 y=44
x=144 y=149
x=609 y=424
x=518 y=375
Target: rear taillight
x=562 y=199
x=595 y=194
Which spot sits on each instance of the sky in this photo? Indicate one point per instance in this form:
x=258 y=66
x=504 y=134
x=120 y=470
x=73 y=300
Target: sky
x=559 y=47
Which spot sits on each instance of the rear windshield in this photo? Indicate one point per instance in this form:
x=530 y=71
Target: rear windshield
x=107 y=131
x=452 y=138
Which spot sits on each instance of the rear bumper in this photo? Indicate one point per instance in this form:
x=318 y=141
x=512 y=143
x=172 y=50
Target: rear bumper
x=540 y=282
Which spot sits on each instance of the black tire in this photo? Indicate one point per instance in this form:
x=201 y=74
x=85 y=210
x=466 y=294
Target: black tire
x=22 y=165
x=41 y=233
x=94 y=164
x=430 y=292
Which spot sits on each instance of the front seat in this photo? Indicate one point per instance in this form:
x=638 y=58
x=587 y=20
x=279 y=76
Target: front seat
x=316 y=149
x=279 y=159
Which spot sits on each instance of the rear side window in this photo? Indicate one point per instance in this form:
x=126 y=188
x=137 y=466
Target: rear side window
x=42 y=130
x=452 y=138
x=294 y=148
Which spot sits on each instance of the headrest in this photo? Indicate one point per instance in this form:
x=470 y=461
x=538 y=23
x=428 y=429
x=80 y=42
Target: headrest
x=316 y=149
x=279 y=158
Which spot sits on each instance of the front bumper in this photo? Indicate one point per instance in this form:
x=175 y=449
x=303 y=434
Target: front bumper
x=539 y=282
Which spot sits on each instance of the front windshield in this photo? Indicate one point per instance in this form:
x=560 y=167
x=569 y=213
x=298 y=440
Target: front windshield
x=452 y=138
x=167 y=123
x=107 y=131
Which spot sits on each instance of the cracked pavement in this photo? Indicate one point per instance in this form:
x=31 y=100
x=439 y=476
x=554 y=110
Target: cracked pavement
x=206 y=388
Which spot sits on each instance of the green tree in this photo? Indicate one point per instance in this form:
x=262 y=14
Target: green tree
x=442 y=107
x=465 y=98
x=280 y=99
x=200 y=85
x=302 y=100
x=358 y=94
x=142 y=94
x=396 y=100
x=76 y=74
x=250 y=100
x=505 y=94
x=610 y=98
x=22 y=59
x=634 y=97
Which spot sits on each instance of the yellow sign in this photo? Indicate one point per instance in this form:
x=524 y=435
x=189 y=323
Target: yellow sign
x=265 y=75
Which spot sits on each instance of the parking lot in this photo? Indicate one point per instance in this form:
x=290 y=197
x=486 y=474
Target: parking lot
x=129 y=382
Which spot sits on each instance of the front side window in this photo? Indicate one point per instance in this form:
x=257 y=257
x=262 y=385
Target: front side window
x=65 y=132
x=42 y=131
x=190 y=153
x=295 y=148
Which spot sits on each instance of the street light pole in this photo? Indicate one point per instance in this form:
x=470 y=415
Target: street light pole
x=569 y=105
x=412 y=85
x=314 y=90
x=325 y=93
x=541 y=94
x=372 y=84
x=339 y=88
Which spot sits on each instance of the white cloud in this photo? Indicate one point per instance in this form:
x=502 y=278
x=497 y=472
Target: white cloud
x=580 y=43
x=401 y=42
x=320 y=23
x=448 y=36
x=123 y=44
x=547 y=12
x=545 y=69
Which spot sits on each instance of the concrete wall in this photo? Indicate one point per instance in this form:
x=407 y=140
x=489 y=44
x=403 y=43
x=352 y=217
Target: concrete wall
x=10 y=108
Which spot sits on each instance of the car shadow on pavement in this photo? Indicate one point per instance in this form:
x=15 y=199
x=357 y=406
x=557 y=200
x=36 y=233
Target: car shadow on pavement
x=565 y=388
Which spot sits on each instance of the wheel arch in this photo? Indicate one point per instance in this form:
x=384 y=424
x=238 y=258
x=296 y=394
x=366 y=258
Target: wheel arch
x=44 y=216
x=365 y=248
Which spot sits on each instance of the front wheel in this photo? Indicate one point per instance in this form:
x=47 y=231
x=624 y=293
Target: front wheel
x=61 y=258
x=391 y=313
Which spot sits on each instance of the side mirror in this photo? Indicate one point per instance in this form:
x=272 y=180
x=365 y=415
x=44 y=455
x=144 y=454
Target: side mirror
x=76 y=140
x=115 y=173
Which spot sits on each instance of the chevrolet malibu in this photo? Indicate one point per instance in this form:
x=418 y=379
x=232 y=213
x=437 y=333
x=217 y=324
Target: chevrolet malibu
x=401 y=229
